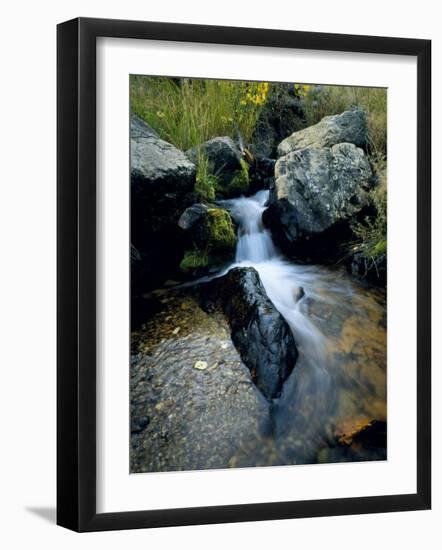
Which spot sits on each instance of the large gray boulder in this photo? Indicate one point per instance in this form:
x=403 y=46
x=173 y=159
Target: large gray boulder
x=225 y=162
x=138 y=128
x=315 y=191
x=260 y=333
x=162 y=182
x=349 y=127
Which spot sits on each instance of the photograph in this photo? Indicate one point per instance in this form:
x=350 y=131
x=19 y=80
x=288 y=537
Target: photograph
x=258 y=255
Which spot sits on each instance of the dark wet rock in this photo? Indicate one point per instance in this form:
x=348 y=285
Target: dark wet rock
x=192 y=215
x=189 y=381
x=280 y=116
x=369 y=438
x=259 y=332
x=162 y=181
x=262 y=172
x=316 y=194
x=222 y=153
x=370 y=270
x=226 y=163
x=299 y=294
x=349 y=127
x=372 y=436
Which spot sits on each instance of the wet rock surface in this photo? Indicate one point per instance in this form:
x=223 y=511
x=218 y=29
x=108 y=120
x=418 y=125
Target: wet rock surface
x=193 y=403
x=259 y=332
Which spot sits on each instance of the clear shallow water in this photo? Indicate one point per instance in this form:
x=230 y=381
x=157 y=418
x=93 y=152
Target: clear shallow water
x=339 y=382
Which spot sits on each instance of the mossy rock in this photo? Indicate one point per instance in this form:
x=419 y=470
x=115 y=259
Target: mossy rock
x=214 y=241
x=238 y=184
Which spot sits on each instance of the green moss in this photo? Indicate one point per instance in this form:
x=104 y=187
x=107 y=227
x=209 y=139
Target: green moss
x=238 y=185
x=380 y=248
x=214 y=242
x=194 y=259
x=221 y=233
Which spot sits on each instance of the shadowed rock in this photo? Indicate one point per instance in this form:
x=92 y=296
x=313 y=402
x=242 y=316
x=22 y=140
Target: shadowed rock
x=162 y=181
x=226 y=163
x=259 y=332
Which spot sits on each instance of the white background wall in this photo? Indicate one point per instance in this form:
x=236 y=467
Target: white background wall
x=27 y=299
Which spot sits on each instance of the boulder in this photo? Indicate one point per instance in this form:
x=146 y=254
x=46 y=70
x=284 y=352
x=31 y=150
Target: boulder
x=348 y=127
x=316 y=192
x=162 y=182
x=210 y=238
x=260 y=333
x=192 y=215
x=226 y=163
x=138 y=128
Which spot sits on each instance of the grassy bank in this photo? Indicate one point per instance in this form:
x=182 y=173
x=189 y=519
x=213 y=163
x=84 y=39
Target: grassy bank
x=187 y=112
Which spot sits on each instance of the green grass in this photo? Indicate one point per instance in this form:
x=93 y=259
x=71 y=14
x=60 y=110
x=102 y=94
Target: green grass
x=206 y=181
x=187 y=112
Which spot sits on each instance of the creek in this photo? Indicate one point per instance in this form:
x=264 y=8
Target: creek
x=339 y=382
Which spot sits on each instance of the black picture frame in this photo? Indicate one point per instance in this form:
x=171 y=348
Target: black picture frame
x=76 y=274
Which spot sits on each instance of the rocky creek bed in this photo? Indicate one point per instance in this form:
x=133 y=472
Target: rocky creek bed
x=256 y=355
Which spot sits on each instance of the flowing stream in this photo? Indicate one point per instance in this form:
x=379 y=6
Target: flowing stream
x=339 y=381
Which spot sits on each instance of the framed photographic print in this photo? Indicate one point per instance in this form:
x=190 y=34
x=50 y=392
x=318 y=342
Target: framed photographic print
x=243 y=274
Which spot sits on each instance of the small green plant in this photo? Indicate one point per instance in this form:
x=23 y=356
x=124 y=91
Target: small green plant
x=371 y=233
x=241 y=181
x=194 y=259
x=206 y=181
x=238 y=185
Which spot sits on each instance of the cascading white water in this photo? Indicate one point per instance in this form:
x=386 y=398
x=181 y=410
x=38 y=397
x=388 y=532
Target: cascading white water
x=254 y=240
x=340 y=335
x=283 y=281
x=309 y=395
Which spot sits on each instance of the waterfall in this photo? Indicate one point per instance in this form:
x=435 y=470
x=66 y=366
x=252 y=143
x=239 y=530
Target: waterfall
x=330 y=316
x=254 y=240
x=284 y=282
